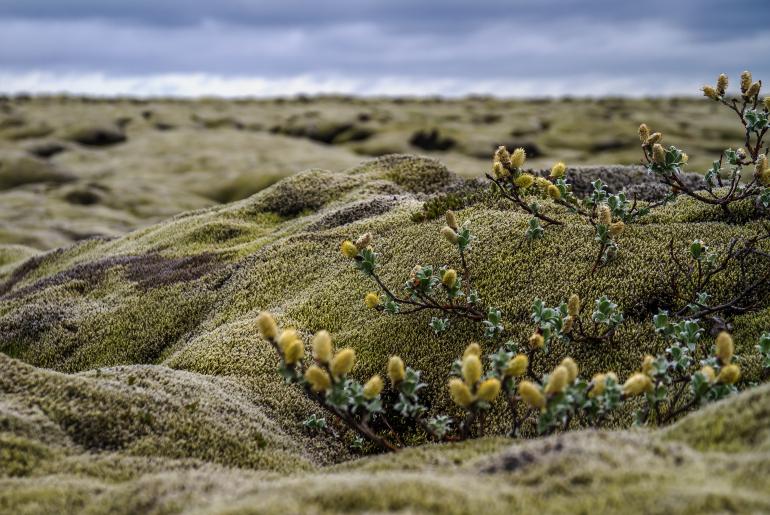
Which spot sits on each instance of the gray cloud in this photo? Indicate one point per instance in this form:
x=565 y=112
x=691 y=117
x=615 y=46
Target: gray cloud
x=651 y=46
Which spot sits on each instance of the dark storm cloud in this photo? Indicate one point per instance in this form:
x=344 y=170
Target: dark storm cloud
x=451 y=44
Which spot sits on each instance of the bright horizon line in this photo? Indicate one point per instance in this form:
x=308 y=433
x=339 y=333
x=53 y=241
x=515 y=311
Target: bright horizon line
x=206 y=85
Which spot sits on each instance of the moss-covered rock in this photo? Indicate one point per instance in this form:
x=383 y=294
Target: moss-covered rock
x=139 y=357
x=18 y=169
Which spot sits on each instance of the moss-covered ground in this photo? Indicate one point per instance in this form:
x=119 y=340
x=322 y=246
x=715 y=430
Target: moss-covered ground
x=134 y=381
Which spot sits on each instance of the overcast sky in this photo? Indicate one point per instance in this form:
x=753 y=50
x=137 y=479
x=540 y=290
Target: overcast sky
x=395 y=47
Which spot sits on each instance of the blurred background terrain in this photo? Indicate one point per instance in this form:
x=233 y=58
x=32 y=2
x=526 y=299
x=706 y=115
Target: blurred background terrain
x=76 y=167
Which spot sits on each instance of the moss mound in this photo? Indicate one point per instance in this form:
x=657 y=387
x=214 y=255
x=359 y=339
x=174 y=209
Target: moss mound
x=159 y=394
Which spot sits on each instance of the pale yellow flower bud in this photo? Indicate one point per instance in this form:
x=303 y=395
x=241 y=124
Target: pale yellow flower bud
x=396 y=370
x=348 y=249
x=373 y=387
x=461 y=394
x=319 y=380
x=557 y=381
x=517 y=366
x=644 y=133
x=658 y=154
x=637 y=384
x=524 y=181
x=655 y=137
x=449 y=279
x=372 y=300
x=343 y=362
x=753 y=90
x=518 y=157
x=761 y=168
x=488 y=390
x=710 y=92
x=722 y=83
x=499 y=170
x=322 y=347
x=293 y=352
x=471 y=369
x=730 y=374
x=647 y=364
x=616 y=229
x=449 y=234
x=568 y=323
x=364 y=241
x=536 y=341
x=605 y=215
x=502 y=156
x=573 y=305
x=531 y=394
x=451 y=219
x=286 y=337
x=267 y=326
x=598 y=382
x=474 y=349
x=558 y=170
x=708 y=373
x=745 y=81
x=554 y=192
x=725 y=348
x=685 y=157
x=571 y=367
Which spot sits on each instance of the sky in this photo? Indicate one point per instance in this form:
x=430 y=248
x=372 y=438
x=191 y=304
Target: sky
x=450 y=48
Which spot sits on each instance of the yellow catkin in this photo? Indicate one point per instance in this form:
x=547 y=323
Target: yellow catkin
x=753 y=90
x=489 y=389
x=461 y=394
x=722 y=83
x=293 y=352
x=658 y=154
x=554 y=192
x=364 y=241
x=725 y=348
x=571 y=367
x=536 y=341
x=449 y=234
x=531 y=394
x=499 y=170
x=599 y=383
x=518 y=158
x=637 y=384
x=761 y=170
x=767 y=103
x=655 y=137
x=557 y=381
x=449 y=279
x=451 y=219
x=685 y=157
x=710 y=92
x=573 y=305
x=371 y=300
x=647 y=364
x=343 y=361
x=322 y=347
x=318 y=378
x=373 y=387
x=730 y=374
x=471 y=369
x=349 y=249
x=644 y=133
x=474 y=349
x=286 y=337
x=708 y=373
x=617 y=228
x=517 y=366
x=267 y=326
x=745 y=81
x=568 y=323
x=605 y=215
x=396 y=370
x=524 y=180
x=558 y=170
x=502 y=156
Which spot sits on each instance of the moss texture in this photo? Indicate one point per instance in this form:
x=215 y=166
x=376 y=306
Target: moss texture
x=134 y=379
